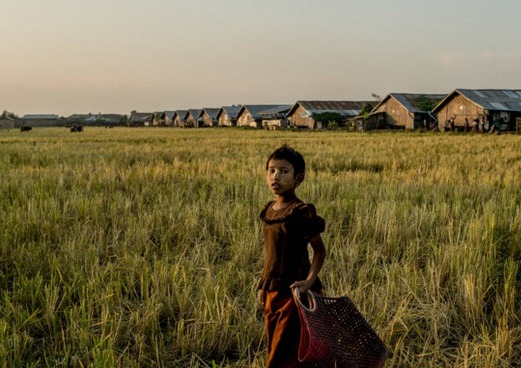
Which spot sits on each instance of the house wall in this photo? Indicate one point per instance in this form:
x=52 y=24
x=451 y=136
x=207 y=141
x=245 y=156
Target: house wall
x=245 y=119
x=397 y=115
x=140 y=122
x=190 y=121
x=178 y=121
x=224 y=120
x=207 y=120
x=458 y=108
x=6 y=124
x=42 y=122
x=274 y=124
x=300 y=118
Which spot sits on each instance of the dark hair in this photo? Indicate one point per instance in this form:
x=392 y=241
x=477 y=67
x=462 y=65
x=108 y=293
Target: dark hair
x=287 y=153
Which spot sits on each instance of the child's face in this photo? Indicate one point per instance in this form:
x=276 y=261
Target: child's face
x=281 y=177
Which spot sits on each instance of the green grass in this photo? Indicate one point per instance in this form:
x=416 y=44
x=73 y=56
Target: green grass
x=141 y=247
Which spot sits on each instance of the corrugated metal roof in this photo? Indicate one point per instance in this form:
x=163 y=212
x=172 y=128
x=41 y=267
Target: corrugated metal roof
x=169 y=114
x=258 y=111
x=413 y=101
x=181 y=113
x=494 y=99
x=140 y=116
x=194 y=112
x=107 y=118
x=231 y=111
x=344 y=108
x=79 y=116
x=212 y=112
x=42 y=116
x=277 y=110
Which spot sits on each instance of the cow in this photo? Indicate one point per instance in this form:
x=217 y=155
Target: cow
x=25 y=128
x=76 y=128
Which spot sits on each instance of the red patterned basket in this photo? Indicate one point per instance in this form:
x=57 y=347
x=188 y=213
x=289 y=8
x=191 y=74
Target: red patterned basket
x=335 y=334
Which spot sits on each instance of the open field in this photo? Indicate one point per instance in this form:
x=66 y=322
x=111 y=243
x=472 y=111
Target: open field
x=141 y=247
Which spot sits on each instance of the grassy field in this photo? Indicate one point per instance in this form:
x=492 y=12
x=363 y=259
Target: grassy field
x=141 y=247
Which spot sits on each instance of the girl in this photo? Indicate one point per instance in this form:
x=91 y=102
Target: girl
x=288 y=225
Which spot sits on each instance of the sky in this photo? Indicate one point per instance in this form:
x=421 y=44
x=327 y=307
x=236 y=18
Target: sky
x=114 y=56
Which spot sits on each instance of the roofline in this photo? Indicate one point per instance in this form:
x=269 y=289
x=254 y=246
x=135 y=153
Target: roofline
x=243 y=107
x=299 y=102
x=223 y=109
x=381 y=102
x=393 y=94
x=457 y=90
x=290 y=112
x=219 y=113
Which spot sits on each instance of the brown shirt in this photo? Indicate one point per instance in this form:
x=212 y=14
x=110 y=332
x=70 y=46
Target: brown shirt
x=286 y=236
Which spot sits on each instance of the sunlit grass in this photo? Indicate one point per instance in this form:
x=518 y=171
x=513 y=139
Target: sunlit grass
x=142 y=247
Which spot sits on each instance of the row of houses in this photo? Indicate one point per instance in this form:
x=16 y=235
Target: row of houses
x=410 y=111
x=10 y=120
x=303 y=114
x=455 y=111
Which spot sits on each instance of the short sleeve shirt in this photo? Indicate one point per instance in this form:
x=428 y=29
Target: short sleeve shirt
x=287 y=233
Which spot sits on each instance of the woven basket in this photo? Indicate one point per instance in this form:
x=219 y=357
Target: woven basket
x=335 y=334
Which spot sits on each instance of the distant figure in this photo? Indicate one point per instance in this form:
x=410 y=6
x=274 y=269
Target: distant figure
x=25 y=128
x=466 y=125
x=486 y=125
x=496 y=126
x=482 y=125
x=475 y=125
x=449 y=125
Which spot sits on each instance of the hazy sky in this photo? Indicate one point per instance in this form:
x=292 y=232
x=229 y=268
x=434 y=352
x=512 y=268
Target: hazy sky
x=80 y=56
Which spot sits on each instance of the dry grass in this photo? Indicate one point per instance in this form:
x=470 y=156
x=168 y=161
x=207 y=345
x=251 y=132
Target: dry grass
x=141 y=247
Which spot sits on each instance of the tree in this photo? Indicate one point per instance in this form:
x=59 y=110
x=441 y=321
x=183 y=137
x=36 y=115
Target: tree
x=366 y=110
x=376 y=97
x=7 y=114
x=332 y=119
x=425 y=103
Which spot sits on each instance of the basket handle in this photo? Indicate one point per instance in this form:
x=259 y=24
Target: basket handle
x=311 y=300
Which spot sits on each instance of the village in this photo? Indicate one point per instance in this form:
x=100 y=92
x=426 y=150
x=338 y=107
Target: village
x=465 y=110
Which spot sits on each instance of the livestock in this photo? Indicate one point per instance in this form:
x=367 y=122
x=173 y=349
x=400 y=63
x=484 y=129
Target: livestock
x=76 y=128
x=25 y=128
